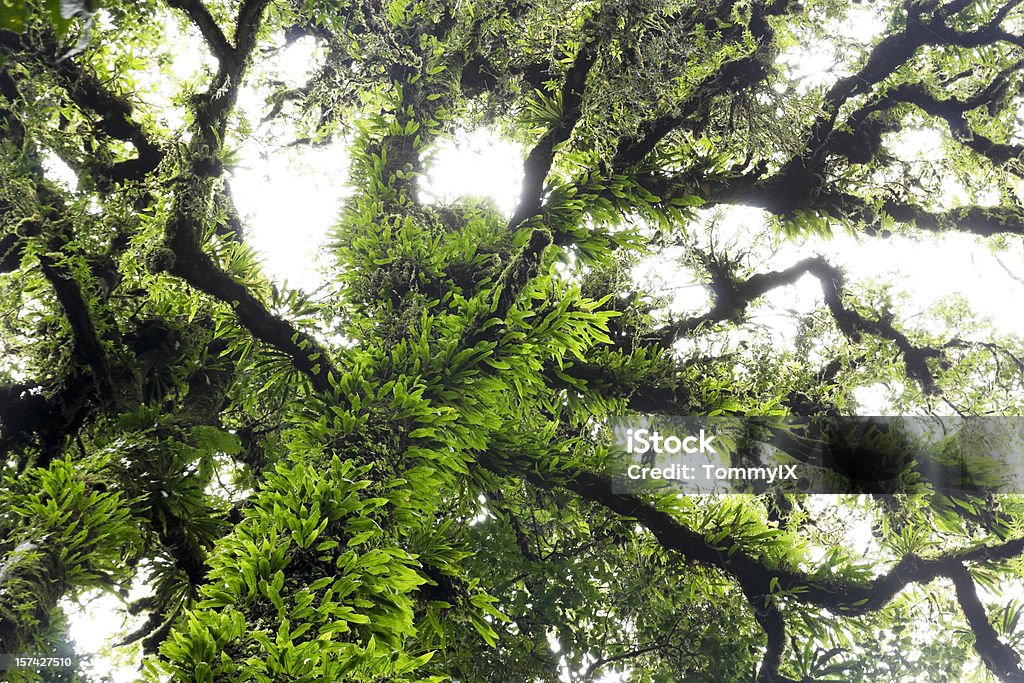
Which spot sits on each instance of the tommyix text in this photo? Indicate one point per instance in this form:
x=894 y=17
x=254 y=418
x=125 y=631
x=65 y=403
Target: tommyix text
x=679 y=472
x=648 y=443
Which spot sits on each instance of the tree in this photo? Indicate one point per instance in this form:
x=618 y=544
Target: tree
x=405 y=477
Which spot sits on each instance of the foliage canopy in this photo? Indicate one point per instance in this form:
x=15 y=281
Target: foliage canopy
x=403 y=476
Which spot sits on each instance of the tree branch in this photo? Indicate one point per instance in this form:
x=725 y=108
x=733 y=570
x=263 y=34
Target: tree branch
x=194 y=266
x=189 y=261
x=86 y=91
x=883 y=60
x=769 y=618
x=850 y=599
x=731 y=298
x=87 y=342
x=1000 y=658
x=207 y=25
x=538 y=161
x=732 y=76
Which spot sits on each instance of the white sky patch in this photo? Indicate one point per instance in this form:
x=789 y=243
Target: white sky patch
x=295 y=63
x=852 y=520
x=475 y=164
x=288 y=196
x=812 y=66
x=59 y=172
x=288 y=200
x=917 y=144
x=924 y=271
x=877 y=399
x=95 y=619
x=822 y=61
x=188 y=57
x=663 y=273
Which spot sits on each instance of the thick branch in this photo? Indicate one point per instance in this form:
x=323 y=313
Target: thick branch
x=539 y=160
x=769 y=618
x=984 y=221
x=731 y=298
x=88 y=93
x=733 y=76
x=1000 y=658
x=207 y=25
x=194 y=266
x=888 y=55
x=87 y=342
x=753 y=575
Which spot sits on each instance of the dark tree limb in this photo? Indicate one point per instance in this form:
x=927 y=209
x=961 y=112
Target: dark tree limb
x=538 y=161
x=93 y=98
x=952 y=111
x=888 y=55
x=1001 y=659
x=984 y=221
x=194 y=265
x=785 y=196
x=769 y=618
x=76 y=309
x=756 y=578
x=733 y=76
x=731 y=299
x=207 y=25
x=249 y=17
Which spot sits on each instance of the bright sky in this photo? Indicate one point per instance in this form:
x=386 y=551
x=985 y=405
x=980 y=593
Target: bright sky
x=290 y=197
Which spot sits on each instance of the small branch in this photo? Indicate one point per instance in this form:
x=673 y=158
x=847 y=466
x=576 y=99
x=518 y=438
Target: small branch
x=622 y=656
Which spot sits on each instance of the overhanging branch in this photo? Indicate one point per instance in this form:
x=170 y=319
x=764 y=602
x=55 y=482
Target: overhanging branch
x=190 y=262
x=850 y=599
